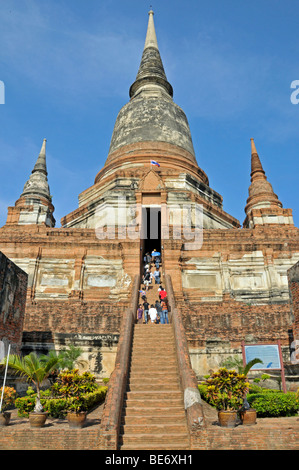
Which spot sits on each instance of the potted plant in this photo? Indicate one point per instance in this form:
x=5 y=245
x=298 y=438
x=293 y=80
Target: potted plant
x=9 y=396
x=76 y=412
x=73 y=387
x=247 y=414
x=226 y=389
x=35 y=369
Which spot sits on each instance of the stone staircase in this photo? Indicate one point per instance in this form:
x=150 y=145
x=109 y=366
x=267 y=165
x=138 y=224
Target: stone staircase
x=153 y=415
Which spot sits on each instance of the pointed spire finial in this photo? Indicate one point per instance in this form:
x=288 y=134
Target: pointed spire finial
x=256 y=166
x=151 y=38
x=38 y=181
x=41 y=164
x=151 y=74
x=261 y=193
x=253 y=149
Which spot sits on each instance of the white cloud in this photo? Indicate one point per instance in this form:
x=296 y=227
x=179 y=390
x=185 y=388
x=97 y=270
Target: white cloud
x=68 y=60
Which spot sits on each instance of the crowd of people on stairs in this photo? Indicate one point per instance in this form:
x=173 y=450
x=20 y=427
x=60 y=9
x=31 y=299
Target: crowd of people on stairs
x=156 y=312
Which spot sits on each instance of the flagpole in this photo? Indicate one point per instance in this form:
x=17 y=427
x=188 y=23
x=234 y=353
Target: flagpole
x=4 y=377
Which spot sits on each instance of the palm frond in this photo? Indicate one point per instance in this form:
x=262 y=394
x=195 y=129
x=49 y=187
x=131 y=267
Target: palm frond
x=250 y=364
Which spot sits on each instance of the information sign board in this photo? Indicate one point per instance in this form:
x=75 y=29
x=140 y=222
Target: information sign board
x=269 y=354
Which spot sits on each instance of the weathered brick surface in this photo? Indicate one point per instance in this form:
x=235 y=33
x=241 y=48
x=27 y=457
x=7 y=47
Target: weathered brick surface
x=293 y=278
x=267 y=434
x=13 y=288
x=232 y=321
x=74 y=316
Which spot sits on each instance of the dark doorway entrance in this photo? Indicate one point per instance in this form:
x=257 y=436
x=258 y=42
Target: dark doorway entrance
x=151 y=229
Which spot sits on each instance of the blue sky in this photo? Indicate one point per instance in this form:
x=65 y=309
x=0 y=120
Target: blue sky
x=67 y=67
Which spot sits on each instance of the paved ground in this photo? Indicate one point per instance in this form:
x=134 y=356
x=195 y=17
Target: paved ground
x=94 y=418
x=211 y=416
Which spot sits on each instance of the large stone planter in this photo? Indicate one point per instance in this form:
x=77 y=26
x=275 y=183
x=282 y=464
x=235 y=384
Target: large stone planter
x=227 y=419
x=248 y=417
x=37 y=420
x=4 y=418
x=76 y=420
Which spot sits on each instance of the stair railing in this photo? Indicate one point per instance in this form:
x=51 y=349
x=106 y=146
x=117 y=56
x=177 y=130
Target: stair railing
x=111 y=417
x=192 y=398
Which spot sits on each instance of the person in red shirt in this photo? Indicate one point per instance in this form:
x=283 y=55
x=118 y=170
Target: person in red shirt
x=163 y=294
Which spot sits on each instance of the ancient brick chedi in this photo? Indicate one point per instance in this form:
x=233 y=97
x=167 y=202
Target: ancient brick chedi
x=230 y=285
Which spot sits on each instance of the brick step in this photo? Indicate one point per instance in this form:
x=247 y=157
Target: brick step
x=153 y=370
x=136 y=377
x=141 y=385
x=153 y=447
x=170 y=374
x=165 y=387
x=154 y=343
x=149 y=364
x=157 y=361
x=161 y=403
x=170 y=439
x=177 y=417
x=151 y=394
x=161 y=328
x=157 y=368
x=165 y=327
x=155 y=380
x=153 y=332
x=151 y=340
x=155 y=403
x=145 y=347
x=146 y=354
x=149 y=336
x=150 y=356
x=163 y=384
x=169 y=389
x=150 y=411
x=147 y=428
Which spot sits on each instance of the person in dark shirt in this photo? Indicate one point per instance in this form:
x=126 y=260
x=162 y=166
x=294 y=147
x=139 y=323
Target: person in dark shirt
x=159 y=310
x=145 y=311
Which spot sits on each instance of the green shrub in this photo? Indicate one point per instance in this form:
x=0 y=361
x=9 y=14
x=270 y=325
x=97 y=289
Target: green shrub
x=226 y=389
x=26 y=404
x=268 y=403
x=57 y=407
x=273 y=403
x=203 y=392
x=70 y=383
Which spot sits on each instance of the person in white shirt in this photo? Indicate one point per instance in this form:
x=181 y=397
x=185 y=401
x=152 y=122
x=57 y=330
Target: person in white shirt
x=153 y=314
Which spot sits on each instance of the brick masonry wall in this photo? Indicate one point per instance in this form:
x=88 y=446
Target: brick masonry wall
x=274 y=434
x=92 y=326
x=293 y=278
x=267 y=434
x=74 y=316
x=233 y=322
x=47 y=439
x=13 y=288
